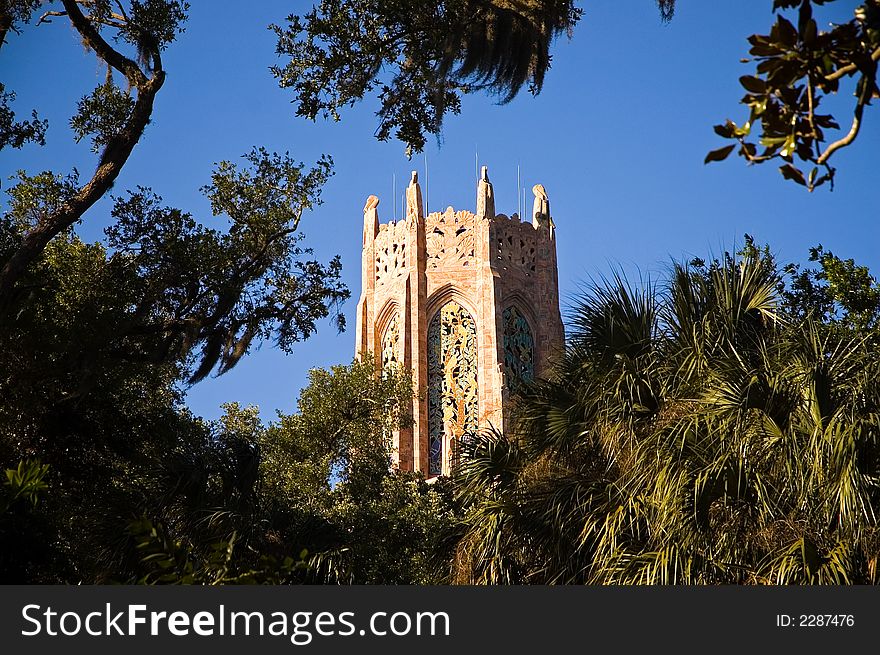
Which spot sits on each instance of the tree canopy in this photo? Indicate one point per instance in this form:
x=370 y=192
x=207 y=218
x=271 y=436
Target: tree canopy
x=342 y=51
x=98 y=341
x=194 y=291
x=718 y=427
x=798 y=65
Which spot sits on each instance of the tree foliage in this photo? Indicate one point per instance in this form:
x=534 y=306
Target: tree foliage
x=799 y=65
x=20 y=494
x=24 y=484
x=710 y=430
x=329 y=475
x=312 y=497
x=99 y=340
x=14 y=133
x=419 y=57
x=146 y=28
x=839 y=292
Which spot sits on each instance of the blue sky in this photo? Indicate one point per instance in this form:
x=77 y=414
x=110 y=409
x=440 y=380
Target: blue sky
x=617 y=137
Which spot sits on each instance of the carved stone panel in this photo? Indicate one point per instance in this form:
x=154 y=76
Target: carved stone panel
x=516 y=247
x=391 y=254
x=450 y=240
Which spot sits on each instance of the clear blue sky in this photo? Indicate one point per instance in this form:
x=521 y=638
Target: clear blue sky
x=617 y=138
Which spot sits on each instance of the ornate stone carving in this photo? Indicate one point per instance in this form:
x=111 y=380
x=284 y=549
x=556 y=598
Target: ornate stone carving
x=450 y=239
x=428 y=267
x=391 y=254
x=516 y=246
x=452 y=384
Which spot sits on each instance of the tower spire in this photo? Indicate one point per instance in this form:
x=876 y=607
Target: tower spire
x=371 y=219
x=415 y=210
x=541 y=207
x=485 y=195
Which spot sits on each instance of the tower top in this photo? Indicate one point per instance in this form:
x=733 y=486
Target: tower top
x=485 y=209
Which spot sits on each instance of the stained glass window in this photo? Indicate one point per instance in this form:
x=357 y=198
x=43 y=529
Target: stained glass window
x=452 y=383
x=519 y=349
x=390 y=340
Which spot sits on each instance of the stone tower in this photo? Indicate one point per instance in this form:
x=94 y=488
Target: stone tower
x=469 y=303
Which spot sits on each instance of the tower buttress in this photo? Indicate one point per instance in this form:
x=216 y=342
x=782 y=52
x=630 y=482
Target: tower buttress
x=364 y=332
x=417 y=299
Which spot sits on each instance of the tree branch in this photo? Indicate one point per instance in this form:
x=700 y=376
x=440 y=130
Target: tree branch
x=114 y=157
x=846 y=140
x=868 y=87
x=5 y=25
x=45 y=17
x=850 y=68
x=104 y=50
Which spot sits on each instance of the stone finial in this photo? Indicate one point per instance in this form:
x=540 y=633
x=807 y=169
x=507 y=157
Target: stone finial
x=485 y=195
x=541 y=207
x=371 y=219
x=414 y=209
x=372 y=203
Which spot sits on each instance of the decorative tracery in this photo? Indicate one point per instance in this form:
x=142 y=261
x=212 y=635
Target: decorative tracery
x=515 y=246
x=450 y=239
x=452 y=383
x=391 y=254
x=519 y=349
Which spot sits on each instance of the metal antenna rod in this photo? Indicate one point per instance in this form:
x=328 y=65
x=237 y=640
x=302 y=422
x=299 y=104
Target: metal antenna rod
x=518 y=186
x=394 y=196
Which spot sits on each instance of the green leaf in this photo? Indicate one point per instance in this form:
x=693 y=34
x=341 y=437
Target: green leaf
x=772 y=142
x=744 y=130
x=786 y=32
x=765 y=50
x=789 y=172
x=788 y=146
x=720 y=154
x=810 y=32
x=726 y=130
x=753 y=84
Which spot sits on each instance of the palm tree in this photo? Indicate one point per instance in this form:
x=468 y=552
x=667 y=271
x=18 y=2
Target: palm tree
x=693 y=433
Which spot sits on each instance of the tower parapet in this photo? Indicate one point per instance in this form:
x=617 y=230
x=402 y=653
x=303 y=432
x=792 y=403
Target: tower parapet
x=469 y=302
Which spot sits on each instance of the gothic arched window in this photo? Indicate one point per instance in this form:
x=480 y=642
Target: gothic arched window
x=519 y=349
x=452 y=384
